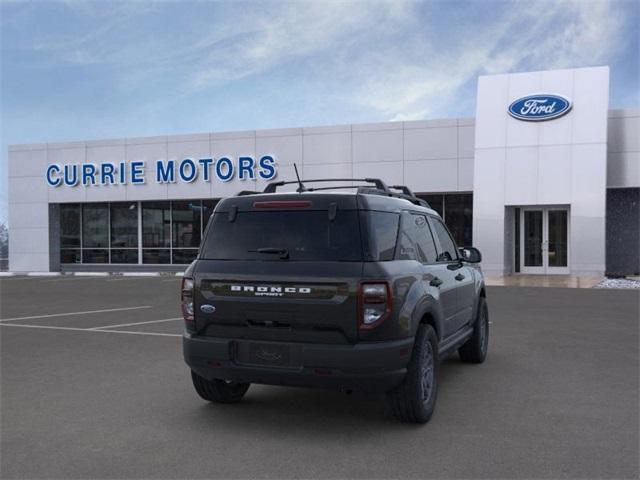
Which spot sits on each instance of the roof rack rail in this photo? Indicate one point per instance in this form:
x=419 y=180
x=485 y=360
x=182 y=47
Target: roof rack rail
x=244 y=193
x=376 y=187
x=409 y=195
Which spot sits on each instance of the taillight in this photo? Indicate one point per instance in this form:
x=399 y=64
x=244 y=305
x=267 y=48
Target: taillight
x=374 y=304
x=186 y=299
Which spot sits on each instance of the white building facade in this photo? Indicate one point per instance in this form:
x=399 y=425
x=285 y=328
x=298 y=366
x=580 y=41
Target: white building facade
x=544 y=180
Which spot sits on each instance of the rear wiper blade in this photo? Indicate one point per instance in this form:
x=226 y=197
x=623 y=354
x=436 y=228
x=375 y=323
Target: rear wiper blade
x=283 y=252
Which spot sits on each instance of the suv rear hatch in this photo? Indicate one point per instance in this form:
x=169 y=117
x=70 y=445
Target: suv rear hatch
x=281 y=267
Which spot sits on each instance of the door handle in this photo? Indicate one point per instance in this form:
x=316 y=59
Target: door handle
x=459 y=277
x=435 y=282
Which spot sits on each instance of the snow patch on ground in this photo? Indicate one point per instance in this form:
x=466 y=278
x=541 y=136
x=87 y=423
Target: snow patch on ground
x=618 y=283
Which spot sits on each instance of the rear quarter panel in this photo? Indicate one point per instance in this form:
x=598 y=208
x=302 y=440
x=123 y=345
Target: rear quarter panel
x=411 y=299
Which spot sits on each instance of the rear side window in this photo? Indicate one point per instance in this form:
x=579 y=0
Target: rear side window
x=448 y=248
x=304 y=235
x=382 y=228
x=416 y=241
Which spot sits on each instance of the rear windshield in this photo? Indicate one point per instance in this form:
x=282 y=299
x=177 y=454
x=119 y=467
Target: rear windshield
x=303 y=235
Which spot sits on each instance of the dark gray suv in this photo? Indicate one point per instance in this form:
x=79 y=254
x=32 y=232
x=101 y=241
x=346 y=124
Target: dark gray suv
x=355 y=286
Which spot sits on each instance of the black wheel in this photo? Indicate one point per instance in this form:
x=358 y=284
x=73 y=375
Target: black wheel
x=475 y=349
x=414 y=400
x=219 y=391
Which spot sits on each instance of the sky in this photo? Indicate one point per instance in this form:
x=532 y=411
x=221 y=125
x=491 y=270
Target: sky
x=73 y=70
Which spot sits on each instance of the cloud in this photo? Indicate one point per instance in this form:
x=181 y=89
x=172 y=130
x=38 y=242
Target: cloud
x=394 y=58
x=295 y=30
x=534 y=36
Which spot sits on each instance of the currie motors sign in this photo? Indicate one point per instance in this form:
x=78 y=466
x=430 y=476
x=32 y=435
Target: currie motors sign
x=537 y=108
x=188 y=170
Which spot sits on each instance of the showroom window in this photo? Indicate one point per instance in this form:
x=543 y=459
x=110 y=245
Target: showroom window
x=124 y=232
x=133 y=232
x=456 y=209
x=186 y=226
x=156 y=232
x=95 y=233
x=70 y=237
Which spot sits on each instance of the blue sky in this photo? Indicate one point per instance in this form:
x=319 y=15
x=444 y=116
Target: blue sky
x=81 y=70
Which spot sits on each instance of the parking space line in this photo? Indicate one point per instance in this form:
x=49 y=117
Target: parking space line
x=72 y=278
x=74 y=329
x=18 y=279
x=123 y=279
x=75 y=313
x=136 y=323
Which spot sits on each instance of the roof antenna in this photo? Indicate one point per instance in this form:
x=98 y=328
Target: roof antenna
x=301 y=187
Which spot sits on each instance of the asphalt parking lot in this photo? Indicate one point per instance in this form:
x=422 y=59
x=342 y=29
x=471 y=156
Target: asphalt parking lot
x=93 y=385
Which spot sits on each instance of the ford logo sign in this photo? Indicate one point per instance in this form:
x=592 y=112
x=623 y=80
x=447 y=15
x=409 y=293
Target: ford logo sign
x=536 y=108
x=206 y=308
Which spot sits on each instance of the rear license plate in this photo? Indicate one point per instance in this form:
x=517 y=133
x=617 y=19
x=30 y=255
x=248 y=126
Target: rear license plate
x=267 y=354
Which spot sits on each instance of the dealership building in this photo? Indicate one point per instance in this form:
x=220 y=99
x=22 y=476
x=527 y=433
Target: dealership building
x=544 y=180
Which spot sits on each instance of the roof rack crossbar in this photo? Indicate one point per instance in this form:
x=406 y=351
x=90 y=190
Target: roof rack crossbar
x=403 y=189
x=379 y=184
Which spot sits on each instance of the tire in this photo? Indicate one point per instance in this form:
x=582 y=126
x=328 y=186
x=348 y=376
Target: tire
x=414 y=400
x=475 y=349
x=219 y=391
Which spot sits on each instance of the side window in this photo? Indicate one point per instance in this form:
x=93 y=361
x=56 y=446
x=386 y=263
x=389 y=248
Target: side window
x=406 y=249
x=448 y=251
x=384 y=230
x=416 y=242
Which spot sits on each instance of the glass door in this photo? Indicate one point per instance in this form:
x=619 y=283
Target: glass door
x=544 y=240
x=557 y=240
x=532 y=241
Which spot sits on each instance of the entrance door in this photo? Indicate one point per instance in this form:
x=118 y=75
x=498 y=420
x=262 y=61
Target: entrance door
x=544 y=240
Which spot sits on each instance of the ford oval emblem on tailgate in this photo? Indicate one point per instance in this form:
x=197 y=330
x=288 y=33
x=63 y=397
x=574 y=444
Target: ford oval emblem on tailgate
x=206 y=308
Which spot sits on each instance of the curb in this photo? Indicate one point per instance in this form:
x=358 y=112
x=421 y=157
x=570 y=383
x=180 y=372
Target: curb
x=92 y=274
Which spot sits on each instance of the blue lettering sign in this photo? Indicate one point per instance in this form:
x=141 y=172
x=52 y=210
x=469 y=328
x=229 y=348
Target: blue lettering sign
x=188 y=174
x=165 y=174
x=222 y=165
x=166 y=171
x=51 y=180
x=246 y=168
x=106 y=173
x=206 y=166
x=267 y=168
x=137 y=173
x=69 y=179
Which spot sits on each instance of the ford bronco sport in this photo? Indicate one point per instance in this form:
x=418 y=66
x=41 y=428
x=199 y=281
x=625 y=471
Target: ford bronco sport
x=331 y=287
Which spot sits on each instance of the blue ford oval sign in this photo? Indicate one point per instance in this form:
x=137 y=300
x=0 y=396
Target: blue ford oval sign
x=536 y=108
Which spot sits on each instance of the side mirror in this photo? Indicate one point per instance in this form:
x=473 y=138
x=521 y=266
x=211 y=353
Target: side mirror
x=470 y=254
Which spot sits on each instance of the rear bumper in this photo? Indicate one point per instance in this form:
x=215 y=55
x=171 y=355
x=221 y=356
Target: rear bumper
x=370 y=366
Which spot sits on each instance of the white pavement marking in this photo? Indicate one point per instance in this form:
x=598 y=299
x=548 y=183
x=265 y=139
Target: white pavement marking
x=75 y=313
x=17 y=278
x=122 y=278
x=48 y=327
x=140 y=274
x=71 y=278
x=136 y=323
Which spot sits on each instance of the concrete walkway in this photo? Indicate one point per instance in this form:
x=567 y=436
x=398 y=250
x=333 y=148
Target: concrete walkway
x=566 y=281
